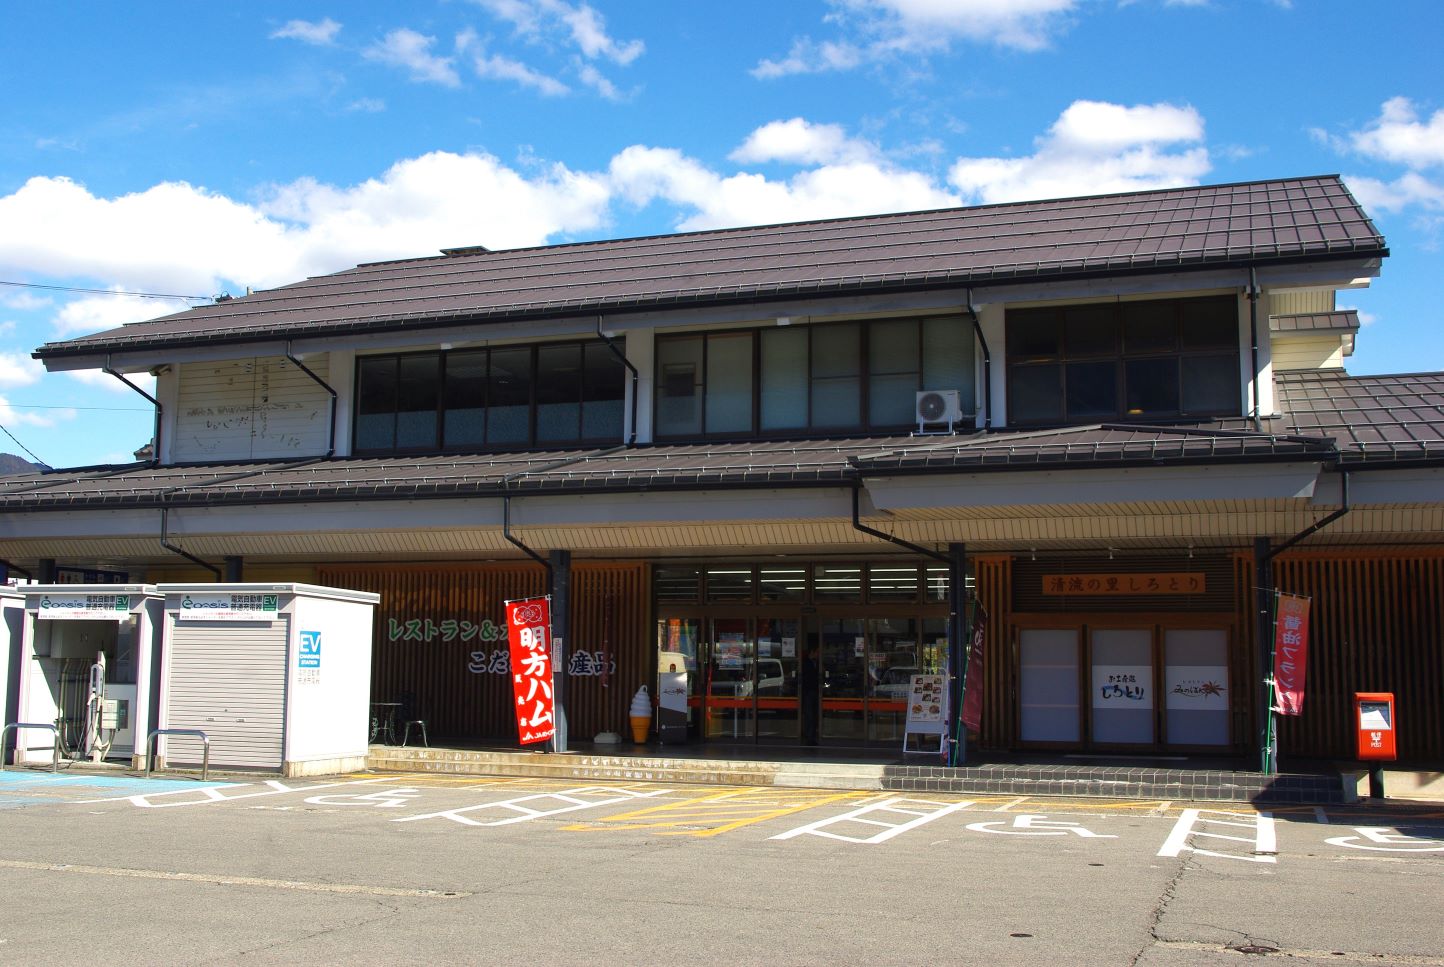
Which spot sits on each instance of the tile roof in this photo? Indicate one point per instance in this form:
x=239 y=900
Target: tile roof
x=1374 y=419
x=1301 y=218
x=1344 y=320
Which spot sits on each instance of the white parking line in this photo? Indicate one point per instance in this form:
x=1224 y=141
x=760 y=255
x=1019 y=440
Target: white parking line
x=1264 y=839
x=571 y=798
x=214 y=794
x=1388 y=839
x=922 y=810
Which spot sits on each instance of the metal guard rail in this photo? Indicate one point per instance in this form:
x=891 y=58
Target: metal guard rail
x=205 y=748
x=17 y=726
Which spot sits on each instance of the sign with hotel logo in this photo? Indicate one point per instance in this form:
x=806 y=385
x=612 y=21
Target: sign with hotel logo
x=1173 y=582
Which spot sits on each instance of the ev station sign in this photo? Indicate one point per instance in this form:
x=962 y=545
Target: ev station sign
x=229 y=607
x=82 y=607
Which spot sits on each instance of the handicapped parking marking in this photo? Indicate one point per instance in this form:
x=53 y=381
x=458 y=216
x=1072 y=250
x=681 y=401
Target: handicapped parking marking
x=1031 y=824
x=48 y=788
x=922 y=811
x=382 y=799
x=1388 y=839
x=205 y=795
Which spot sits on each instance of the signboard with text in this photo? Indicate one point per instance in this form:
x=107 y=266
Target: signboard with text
x=528 y=625
x=229 y=607
x=1182 y=582
x=972 y=710
x=80 y=607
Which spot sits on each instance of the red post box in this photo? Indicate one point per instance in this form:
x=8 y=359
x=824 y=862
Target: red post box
x=1374 y=722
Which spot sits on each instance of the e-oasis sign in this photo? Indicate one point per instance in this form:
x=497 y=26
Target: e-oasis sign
x=229 y=607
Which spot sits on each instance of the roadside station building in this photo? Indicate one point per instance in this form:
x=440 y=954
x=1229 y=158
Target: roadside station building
x=1104 y=416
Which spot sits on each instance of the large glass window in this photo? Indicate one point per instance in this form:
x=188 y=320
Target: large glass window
x=1165 y=359
x=832 y=378
x=515 y=396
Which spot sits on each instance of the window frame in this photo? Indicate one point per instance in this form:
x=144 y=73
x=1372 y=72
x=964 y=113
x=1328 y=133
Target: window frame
x=441 y=356
x=1178 y=353
x=810 y=429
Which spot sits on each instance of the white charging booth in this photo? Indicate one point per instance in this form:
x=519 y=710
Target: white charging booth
x=86 y=659
x=278 y=676
x=12 y=622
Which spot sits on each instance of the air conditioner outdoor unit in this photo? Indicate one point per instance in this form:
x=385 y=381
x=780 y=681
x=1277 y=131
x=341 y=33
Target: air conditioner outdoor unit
x=938 y=406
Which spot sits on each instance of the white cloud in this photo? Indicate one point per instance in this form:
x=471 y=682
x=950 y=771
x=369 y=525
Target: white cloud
x=18 y=369
x=410 y=50
x=96 y=312
x=799 y=141
x=1409 y=190
x=178 y=238
x=12 y=417
x=1398 y=135
x=878 y=30
x=1095 y=148
x=19 y=299
x=643 y=174
x=367 y=105
x=578 y=25
x=321 y=34
x=103 y=380
x=598 y=82
x=497 y=67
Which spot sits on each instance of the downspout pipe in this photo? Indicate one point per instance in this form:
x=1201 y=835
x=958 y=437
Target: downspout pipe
x=1321 y=523
x=165 y=543
x=636 y=378
x=155 y=452
x=506 y=532
x=1253 y=294
x=987 y=364
x=859 y=525
x=331 y=434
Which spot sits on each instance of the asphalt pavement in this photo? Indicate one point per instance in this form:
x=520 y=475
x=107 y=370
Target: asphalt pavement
x=419 y=869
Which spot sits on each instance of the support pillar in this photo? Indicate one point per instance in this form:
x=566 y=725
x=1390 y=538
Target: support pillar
x=45 y=572
x=957 y=644
x=1263 y=582
x=234 y=568
x=561 y=592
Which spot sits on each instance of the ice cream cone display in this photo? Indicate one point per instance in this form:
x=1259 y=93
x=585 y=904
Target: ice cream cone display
x=641 y=715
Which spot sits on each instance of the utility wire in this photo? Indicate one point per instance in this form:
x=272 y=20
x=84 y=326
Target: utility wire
x=89 y=409
x=138 y=295
x=43 y=464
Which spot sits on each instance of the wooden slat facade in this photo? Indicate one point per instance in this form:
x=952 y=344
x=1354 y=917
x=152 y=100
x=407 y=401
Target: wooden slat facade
x=992 y=578
x=1376 y=625
x=430 y=650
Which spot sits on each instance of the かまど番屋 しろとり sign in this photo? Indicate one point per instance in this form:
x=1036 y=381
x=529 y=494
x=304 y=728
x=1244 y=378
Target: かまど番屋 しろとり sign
x=528 y=625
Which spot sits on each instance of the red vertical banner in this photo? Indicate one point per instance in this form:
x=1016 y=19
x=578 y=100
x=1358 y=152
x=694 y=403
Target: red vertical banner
x=972 y=710
x=528 y=628
x=1291 y=653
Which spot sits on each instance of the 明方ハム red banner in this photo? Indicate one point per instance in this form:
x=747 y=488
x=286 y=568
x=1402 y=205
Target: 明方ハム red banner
x=528 y=626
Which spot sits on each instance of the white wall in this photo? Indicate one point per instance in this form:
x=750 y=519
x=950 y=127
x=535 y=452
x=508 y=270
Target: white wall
x=250 y=408
x=1297 y=351
x=328 y=709
x=12 y=617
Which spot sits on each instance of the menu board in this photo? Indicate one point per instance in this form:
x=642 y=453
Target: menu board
x=928 y=705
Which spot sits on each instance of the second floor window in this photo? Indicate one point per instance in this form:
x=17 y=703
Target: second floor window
x=504 y=398
x=1162 y=359
x=825 y=378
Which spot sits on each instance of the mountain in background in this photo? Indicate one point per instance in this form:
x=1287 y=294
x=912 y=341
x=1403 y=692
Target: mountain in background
x=10 y=463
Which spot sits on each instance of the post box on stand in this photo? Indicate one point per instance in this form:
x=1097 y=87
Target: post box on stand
x=1374 y=724
x=1374 y=730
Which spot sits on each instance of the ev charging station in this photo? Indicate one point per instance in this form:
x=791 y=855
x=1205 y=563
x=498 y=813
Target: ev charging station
x=85 y=665
x=277 y=676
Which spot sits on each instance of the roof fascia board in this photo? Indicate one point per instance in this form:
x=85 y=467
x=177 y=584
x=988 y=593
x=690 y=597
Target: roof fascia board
x=1416 y=485
x=1061 y=487
x=476 y=334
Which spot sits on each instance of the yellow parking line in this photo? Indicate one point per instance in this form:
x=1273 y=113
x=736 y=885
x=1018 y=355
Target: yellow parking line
x=718 y=805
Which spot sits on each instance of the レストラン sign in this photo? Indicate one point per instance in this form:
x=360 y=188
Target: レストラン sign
x=229 y=607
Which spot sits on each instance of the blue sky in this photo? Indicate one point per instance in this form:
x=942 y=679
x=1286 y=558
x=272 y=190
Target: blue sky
x=194 y=149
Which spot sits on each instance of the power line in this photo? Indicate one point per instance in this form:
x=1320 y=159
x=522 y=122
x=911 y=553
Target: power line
x=43 y=464
x=137 y=295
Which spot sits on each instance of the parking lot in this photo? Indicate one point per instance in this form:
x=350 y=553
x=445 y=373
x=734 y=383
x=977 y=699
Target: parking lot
x=415 y=868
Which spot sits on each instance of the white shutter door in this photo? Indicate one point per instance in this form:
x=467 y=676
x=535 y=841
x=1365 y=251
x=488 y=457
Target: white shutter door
x=228 y=679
